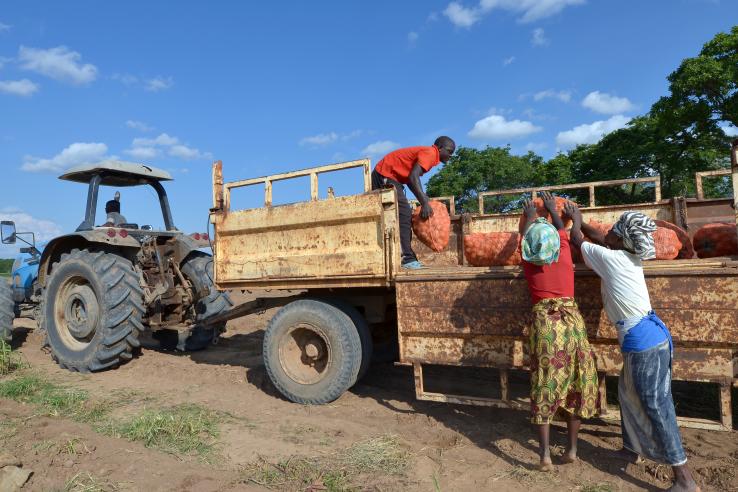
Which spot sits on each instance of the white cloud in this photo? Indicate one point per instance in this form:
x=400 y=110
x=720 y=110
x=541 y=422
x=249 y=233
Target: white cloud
x=125 y=78
x=412 y=37
x=5 y=27
x=601 y=102
x=529 y=10
x=163 y=140
x=148 y=148
x=508 y=61
x=142 y=153
x=320 y=139
x=497 y=127
x=23 y=87
x=74 y=155
x=461 y=16
x=58 y=63
x=591 y=133
x=380 y=147
x=159 y=84
x=139 y=125
x=563 y=96
x=538 y=37
x=43 y=230
x=728 y=129
x=188 y=153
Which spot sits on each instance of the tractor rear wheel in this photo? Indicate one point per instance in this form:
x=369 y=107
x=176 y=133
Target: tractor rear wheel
x=92 y=308
x=199 y=271
x=7 y=311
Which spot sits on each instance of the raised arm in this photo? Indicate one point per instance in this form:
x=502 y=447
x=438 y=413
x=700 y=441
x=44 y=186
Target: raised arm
x=530 y=213
x=573 y=212
x=417 y=188
x=550 y=203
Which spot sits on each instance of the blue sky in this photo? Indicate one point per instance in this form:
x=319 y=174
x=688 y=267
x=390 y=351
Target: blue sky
x=274 y=86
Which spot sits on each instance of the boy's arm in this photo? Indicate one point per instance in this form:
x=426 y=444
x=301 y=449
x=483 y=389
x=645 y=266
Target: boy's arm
x=417 y=188
x=550 y=203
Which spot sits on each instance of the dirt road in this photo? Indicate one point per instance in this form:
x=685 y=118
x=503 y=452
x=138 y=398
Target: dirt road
x=377 y=437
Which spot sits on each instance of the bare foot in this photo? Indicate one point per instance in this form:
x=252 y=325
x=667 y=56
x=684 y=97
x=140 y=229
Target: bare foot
x=569 y=457
x=546 y=465
x=685 y=487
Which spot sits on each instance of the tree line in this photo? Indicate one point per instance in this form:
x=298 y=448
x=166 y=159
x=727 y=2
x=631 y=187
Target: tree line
x=683 y=132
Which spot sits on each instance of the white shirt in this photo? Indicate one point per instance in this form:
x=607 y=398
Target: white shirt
x=623 y=286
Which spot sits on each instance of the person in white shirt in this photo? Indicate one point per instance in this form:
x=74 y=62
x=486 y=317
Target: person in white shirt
x=648 y=419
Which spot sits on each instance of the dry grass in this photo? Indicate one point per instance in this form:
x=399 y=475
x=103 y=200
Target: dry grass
x=85 y=482
x=345 y=470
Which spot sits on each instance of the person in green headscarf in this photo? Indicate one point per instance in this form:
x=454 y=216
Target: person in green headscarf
x=562 y=366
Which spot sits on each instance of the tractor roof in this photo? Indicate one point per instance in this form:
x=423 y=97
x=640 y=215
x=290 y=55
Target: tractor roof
x=116 y=173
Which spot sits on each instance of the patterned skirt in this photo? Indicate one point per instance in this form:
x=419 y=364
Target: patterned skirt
x=562 y=365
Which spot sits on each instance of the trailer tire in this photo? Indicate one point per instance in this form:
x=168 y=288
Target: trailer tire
x=312 y=352
x=365 y=334
x=92 y=308
x=199 y=271
x=7 y=311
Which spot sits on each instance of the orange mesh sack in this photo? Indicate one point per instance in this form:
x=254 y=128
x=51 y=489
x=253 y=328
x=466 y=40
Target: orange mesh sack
x=667 y=243
x=686 y=250
x=542 y=212
x=492 y=248
x=717 y=239
x=435 y=231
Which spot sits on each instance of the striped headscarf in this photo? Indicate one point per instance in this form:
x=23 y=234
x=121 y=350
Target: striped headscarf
x=541 y=243
x=637 y=230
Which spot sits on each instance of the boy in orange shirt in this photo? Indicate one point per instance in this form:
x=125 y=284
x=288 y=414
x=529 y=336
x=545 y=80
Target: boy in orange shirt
x=405 y=167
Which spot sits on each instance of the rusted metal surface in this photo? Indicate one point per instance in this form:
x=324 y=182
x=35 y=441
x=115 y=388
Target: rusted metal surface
x=347 y=241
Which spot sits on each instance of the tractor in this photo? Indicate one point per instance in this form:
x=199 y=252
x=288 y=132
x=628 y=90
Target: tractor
x=105 y=288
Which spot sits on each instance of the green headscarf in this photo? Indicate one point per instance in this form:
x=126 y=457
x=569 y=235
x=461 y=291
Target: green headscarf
x=541 y=243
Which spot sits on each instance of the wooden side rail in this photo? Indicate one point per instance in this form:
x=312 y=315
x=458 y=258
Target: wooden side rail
x=656 y=180
x=222 y=191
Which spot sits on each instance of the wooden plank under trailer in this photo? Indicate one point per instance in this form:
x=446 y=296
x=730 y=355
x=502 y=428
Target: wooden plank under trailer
x=607 y=414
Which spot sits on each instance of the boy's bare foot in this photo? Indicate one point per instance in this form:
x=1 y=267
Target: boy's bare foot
x=680 y=487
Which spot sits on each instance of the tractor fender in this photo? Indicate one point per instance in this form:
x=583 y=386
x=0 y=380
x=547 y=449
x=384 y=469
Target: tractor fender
x=81 y=240
x=184 y=246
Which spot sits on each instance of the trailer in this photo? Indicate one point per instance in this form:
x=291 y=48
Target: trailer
x=343 y=255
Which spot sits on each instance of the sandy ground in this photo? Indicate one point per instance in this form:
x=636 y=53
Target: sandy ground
x=452 y=447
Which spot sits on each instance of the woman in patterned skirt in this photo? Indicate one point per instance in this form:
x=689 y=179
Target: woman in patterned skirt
x=563 y=372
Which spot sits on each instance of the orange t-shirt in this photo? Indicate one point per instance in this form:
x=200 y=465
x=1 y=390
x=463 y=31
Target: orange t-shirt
x=398 y=164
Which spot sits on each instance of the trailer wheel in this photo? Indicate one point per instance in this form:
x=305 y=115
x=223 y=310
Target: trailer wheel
x=365 y=334
x=312 y=352
x=7 y=311
x=92 y=309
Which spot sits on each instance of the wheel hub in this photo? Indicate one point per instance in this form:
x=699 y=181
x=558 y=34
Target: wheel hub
x=304 y=354
x=77 y=313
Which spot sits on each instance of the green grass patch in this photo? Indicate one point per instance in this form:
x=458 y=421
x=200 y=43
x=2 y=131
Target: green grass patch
x=184 y=429
x=10 y=361
x=54 y=399
x=346 y=470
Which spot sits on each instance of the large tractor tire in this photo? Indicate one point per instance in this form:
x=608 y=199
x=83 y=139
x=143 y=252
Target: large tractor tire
x=312 y=352
x=365 y=334
x=7 y=311
x=92 y=308
x=199 y=271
